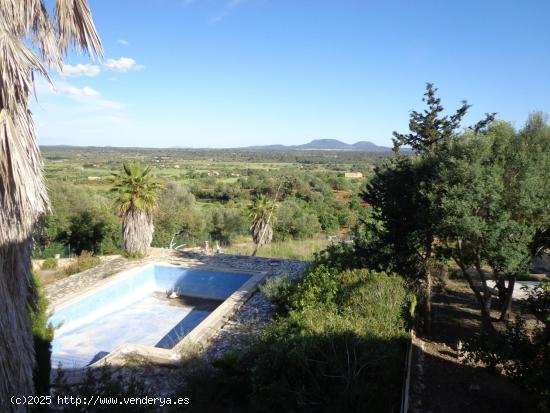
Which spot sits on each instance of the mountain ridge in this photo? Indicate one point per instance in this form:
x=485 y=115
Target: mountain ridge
x=327 y=145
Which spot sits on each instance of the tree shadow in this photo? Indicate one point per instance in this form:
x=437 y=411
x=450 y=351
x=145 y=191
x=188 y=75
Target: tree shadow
x=330 y=372
x=445 y=383
x=327 y=372
x=442 y=385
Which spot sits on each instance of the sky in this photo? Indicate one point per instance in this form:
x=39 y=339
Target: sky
x=230 y=73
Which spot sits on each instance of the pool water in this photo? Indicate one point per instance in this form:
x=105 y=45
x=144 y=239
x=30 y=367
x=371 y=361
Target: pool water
x=136 y=309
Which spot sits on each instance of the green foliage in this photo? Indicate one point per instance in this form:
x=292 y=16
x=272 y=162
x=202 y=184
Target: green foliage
x=225 y=222
x=86 y=232
x=190 y=208
x=493 y=209
x=49 y=264
x=303 y=359
x=318 y=287
x=262 y=216
x=50 y=250
x=539 y=302
x=293 y=221
x=340 y=348
x=495 y=200
x=332 y=371
x=83 y=262
x=479 y=197
x=278 y=290
x=177 y=216
x=429 y=128
x=43 y=333
x=136 y=189
x=135 y=256
x=223 y=386
x=340 y=256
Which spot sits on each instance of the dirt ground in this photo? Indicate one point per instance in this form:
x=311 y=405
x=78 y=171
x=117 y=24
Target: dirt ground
x=440 y=382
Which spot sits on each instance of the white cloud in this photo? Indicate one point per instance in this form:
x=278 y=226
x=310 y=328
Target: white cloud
x=65 y=89
x=88 y=99
x=123 y=42
x=80 y=70
x=124 y=64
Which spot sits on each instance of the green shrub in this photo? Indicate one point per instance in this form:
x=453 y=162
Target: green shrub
x=318 y=287
x=84 y=261
x=326 y=371
x=339 y=348
x=49 y=264
x=134 y=256
x=278 y=290
x=43 y=335
x=293 y=221
x=339 y=256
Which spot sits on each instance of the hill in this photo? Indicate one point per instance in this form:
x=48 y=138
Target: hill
x=327 y=145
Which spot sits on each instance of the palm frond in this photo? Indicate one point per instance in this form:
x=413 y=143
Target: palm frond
x=76 y=27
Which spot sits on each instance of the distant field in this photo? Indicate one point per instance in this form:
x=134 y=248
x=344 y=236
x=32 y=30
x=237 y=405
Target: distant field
x=86 y=164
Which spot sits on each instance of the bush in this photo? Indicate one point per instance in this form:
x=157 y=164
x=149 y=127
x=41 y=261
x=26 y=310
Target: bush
x=339 y=256
x=327 y=371
x=278 y=290
x=294 y=222
x=84 y=261
x=43 y=335
x=340 y=348
x=134 y=256
x=87 y=231
x=318 y=287
x=49 y=264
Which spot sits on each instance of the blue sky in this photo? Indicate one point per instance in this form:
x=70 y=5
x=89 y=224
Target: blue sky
x=227 y=73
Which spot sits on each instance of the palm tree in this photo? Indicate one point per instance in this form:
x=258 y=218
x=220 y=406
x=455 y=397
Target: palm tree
x=261 y=214
x=30 y=41
x=137 y=198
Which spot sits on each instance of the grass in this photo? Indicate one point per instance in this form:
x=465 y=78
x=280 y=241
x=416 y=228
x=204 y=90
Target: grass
x=49 y=264
x=302 y=250
x=84 y=261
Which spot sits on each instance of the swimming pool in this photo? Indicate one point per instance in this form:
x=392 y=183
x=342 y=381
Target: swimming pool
x=136 y=308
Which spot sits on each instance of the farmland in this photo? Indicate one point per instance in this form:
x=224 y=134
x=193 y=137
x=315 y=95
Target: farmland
x=206 y=196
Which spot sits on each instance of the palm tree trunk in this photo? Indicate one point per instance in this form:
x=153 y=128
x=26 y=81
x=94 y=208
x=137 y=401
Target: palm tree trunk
x=138 y=231
x=23 y=200
x=16 y=341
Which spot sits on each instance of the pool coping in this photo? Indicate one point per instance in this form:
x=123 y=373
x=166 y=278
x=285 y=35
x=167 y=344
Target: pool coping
x=195 y=339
